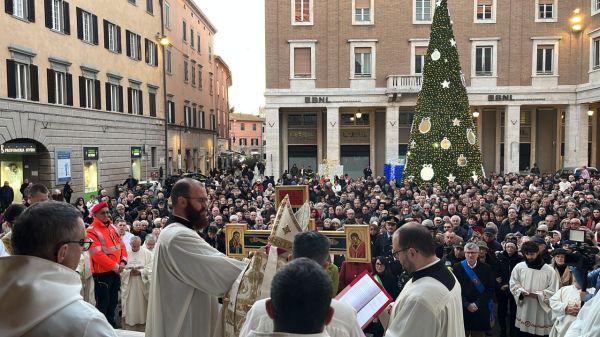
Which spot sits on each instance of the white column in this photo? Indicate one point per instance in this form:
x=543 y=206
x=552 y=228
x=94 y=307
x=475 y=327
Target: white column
x=392 y=134
x=576 y=135
x=333 y=134
x=512 y=120
x=273 y=149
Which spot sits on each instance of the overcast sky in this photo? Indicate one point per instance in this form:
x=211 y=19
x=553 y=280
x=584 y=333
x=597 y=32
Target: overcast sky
x=240 y=41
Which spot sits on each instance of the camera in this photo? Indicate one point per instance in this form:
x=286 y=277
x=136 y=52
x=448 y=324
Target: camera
x=583 y=256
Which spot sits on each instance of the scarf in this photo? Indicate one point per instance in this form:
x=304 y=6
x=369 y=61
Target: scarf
x=538 y=263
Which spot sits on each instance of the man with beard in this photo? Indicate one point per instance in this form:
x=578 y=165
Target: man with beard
x=188 y=275
x=532 y=283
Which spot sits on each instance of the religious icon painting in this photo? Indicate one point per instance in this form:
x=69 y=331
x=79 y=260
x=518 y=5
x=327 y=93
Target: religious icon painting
x=234 y=240
x=297 y=194
x=358 y=244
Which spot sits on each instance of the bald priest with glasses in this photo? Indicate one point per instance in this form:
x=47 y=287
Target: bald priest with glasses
x=39 y=287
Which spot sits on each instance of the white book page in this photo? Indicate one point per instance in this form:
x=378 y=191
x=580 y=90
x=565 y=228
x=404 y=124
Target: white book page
x=361 y=293
x=369 y=310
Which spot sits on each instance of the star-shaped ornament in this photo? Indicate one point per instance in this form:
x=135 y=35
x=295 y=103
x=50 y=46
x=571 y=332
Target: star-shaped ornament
x=286 y=229
x=451 y=178
x=413 y=144
x=446 y=84
x=453 y=42
x=475 y=176
x=456 y=122
x=438 y=3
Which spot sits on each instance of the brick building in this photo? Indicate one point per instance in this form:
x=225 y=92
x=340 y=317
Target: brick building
x=246 y=134
x=343 y=77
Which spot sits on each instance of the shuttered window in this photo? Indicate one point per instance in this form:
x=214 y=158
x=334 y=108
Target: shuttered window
x=302 y=65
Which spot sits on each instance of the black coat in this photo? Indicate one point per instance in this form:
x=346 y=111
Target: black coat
x=383 y=245
x=7 y=195
x=480 y=319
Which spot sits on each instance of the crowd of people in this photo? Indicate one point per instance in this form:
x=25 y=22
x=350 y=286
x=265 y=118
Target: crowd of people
x=507 y=239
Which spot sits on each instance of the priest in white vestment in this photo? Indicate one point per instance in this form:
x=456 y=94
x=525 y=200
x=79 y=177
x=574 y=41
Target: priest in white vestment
x=315 y=246
x=87 y=281
x=587 y=323
x=135 y=284
x=565 y=304
x=532 y=283
x=430 y=304
x=188 y=274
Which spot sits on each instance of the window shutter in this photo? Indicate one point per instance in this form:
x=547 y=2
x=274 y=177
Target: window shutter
x=147 y=52
x=51 y=86
x=8 y=6
x=120 y=98
x=127 y=44
x=119 y=39
x=82 y=97
x=107 y=90
x=105 y=34
x=30 y=10
x=35 y=86
x=48 y=13
x=10 y=78
x=79 y=14
x=420 y=50
x=66 y=18
x=362 y=50
x=155 y=54
x=302 y=66
x=69 y=83
x=362 y=4
x=139 y=47
x=152 y=104
x=129 y=103
x=94 y=29
x=97 y=95
x=141 y=102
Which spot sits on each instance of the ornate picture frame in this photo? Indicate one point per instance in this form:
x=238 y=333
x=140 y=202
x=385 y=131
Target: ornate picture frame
x=234 y=240
x=358 y=243
x=298 y=195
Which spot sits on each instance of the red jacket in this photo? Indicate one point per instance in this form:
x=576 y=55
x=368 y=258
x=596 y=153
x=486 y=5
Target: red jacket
x=107 y=249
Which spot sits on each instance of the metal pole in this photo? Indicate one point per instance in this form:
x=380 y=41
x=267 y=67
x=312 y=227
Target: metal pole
x=164 y=78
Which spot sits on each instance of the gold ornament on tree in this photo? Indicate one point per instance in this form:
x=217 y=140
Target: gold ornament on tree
x=471 y=138
x=425 y=125
x=427 y=172
x=461 y=161
x=445 y=143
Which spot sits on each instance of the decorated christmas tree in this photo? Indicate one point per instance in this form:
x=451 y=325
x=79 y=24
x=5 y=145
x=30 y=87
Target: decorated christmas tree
x=443 y=145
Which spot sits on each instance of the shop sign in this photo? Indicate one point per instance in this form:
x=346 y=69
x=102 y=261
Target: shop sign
x=316 y=99
x=17 y=148
x=510 y=98
x=90 y=153
x=136 y=152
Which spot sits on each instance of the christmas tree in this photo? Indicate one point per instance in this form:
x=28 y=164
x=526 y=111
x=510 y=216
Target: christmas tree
x=443 y=145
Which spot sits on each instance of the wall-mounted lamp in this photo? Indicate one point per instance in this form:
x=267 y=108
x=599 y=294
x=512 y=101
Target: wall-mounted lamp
x=475 y=114
x=590 y=111
x=358 y=114
x=163 y=40
x=576 y=21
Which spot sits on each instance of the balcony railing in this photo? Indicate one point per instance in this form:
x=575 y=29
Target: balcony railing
x=404 y=84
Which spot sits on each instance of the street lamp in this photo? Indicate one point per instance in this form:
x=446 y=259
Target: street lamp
x=576 y=21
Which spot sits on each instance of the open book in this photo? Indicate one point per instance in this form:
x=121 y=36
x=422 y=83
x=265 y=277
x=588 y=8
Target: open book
x=367 y=297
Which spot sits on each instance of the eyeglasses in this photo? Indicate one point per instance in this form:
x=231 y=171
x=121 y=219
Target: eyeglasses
x=395 y=254
x=200 y=199
x=85 y=244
